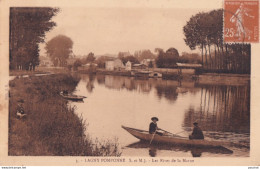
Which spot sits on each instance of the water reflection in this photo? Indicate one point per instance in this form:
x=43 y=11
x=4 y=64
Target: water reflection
x=222 y=111
x=164 y=88
x=194 y=151
x=222 y=108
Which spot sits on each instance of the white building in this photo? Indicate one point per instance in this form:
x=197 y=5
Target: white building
x=109 y=65
x=116 y=64
x=128 y=66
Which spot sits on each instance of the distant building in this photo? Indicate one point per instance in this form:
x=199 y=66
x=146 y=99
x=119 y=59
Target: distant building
x=147 y=61
x=139 y=66
x=128 y=66
x=45 y=61
x=116 y=64
x=109 y=65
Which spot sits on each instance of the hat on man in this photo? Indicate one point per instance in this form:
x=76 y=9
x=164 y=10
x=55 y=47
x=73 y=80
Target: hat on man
x=155 y=118
x=195 y=123
x=21 y=101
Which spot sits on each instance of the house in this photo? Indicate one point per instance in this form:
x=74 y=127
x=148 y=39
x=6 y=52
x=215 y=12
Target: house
x=109 y=65
x=45 y=61
x=116 y=64
x=128 y=66
x=139 y=66
x=147 y=62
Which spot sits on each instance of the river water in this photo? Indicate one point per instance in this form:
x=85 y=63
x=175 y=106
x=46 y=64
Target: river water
x=223 y=113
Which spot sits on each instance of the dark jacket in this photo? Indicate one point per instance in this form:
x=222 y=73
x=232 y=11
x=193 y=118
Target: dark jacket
x=197 y=133
x=152 y=127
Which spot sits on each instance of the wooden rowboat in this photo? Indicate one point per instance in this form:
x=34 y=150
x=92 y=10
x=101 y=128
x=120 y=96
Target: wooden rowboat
x=171 y=139
x=73 y=97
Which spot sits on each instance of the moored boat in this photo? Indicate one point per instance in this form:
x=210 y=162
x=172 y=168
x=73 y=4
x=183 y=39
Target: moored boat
x=72 y=97
x=171 y=139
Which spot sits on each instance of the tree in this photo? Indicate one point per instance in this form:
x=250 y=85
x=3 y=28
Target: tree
x=150 y=65
x=76 y=64
x=59 y=49
x=102 y=60
x=167 y=59
x=144 y=54
x=190 y=58
x=204 y=31
x=90 y=58
x=27 y=29
x=131 y=58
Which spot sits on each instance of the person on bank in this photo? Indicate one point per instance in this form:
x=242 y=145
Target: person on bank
x=153 y=126
x=20 y=110
x=196 y=133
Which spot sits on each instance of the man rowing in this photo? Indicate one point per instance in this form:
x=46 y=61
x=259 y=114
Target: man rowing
x=196 y=133
x=153 y=126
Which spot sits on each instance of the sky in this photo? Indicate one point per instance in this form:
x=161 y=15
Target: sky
x=110 y=29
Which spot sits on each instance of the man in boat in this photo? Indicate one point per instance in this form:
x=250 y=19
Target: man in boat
x=196 y=133
x=153 y=126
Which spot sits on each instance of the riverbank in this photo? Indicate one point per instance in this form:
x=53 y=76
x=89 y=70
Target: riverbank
x=168 y=74
x=25 y=72
x=50 y=127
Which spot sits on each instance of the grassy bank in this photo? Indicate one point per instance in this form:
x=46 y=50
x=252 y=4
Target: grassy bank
x=24 y=72
x=50 y=127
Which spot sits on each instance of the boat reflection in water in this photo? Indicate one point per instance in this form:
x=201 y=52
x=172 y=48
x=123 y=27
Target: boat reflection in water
x=195 y=151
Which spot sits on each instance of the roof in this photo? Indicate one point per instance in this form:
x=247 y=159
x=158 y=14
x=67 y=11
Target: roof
x=139 y=64
x=190 y=65
x=89 y=64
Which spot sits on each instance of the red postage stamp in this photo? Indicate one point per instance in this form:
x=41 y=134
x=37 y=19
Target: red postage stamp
x=241 y=21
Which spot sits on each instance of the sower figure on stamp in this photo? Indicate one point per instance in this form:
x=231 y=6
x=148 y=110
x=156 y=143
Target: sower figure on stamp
x=153 y=126
x=196 y=133
x=238 y=17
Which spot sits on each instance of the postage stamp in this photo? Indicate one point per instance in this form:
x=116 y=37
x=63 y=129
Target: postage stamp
x=241 y=21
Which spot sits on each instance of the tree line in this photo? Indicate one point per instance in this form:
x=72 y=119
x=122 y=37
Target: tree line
x=205 y=31
x=27 y=29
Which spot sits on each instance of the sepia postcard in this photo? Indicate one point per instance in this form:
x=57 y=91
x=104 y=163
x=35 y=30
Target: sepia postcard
x=129 y=83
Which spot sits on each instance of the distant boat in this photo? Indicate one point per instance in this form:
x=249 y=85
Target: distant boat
x=170 y=139
x=181 y=90
x=155 y=75
x=72 y=97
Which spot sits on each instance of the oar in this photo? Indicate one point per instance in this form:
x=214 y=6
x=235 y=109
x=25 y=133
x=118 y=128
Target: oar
x=180 y=132
x=172 y=133
x=153 y=136
x=167 y=131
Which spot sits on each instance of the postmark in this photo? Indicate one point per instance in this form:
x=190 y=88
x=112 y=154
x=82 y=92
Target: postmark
x=241 y=21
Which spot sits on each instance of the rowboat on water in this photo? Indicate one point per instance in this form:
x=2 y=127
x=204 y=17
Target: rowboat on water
x=72 y=97
x=171 y=139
